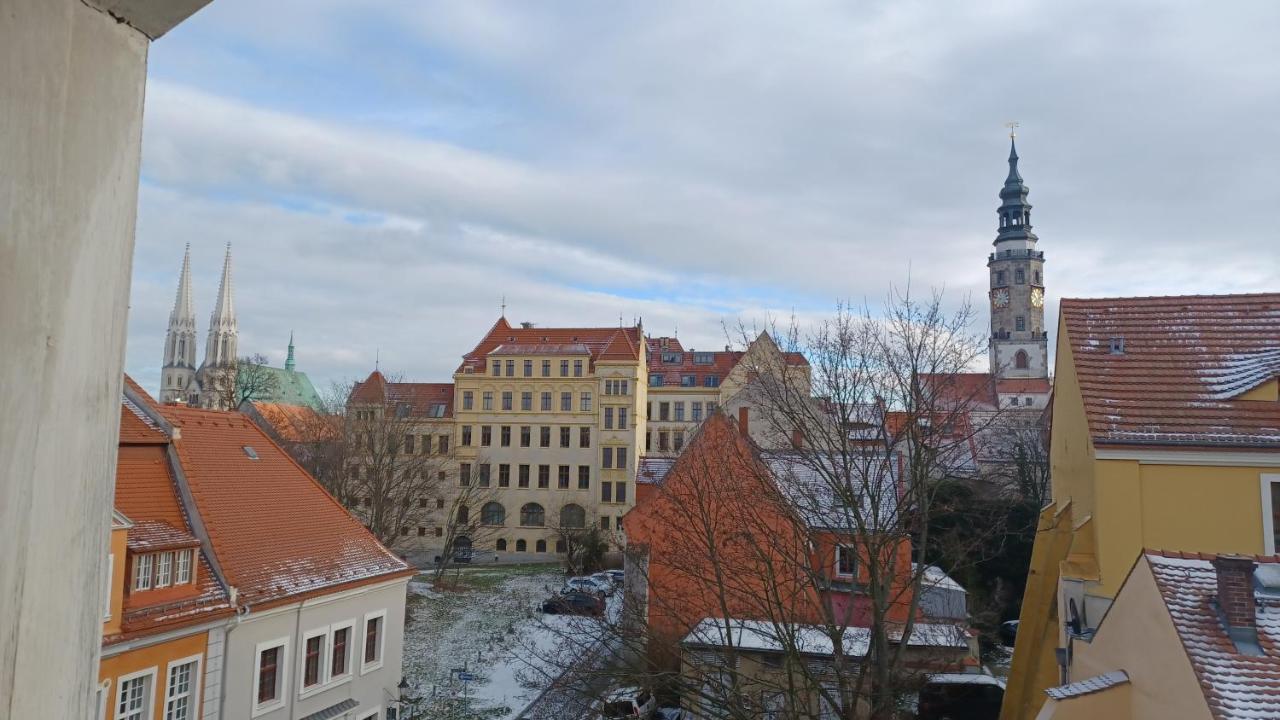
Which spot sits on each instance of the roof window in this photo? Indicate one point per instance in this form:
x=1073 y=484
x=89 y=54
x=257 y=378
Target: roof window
x=250 y=452
x=1117 y=346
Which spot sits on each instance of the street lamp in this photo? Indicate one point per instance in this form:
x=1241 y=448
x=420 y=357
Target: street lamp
x=408 y=703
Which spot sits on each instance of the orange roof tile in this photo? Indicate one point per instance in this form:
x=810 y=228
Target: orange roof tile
x=276 y=533
x=1184 y=360
x=138 y=429
x=1023 y=386
x=298 y=423
x=604 y=343
x=722 y=361
x=976 y=391
x=423 y=399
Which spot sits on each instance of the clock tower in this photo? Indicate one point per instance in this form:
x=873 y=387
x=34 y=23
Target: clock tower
x=1019 y=342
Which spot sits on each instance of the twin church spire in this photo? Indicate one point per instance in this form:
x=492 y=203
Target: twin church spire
x=180 y=379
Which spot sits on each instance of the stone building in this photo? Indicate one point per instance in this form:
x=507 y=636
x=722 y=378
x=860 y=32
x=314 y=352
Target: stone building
x=181 y=381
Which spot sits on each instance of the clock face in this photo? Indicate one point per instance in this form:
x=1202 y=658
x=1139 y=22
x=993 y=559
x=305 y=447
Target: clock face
x=1037 y=297
x=1000 y=297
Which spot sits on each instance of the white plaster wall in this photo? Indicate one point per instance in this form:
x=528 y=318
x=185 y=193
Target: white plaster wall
x=370 y=690
x=71 y=91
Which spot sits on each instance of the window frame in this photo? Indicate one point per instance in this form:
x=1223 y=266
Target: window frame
x=370 y=666
x=139 y=562
x=350 y=626
x=282 y=676
x=1268 y=482
x=305 y=690
x=196 y=686
x=148 y=709
x=841 y=549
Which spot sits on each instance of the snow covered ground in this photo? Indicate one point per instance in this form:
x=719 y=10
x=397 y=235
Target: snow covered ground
x=486 y=621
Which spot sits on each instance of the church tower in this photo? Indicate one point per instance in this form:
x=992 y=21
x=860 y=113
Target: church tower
x=178 y=373
x=1019 y=341
x=218 y=367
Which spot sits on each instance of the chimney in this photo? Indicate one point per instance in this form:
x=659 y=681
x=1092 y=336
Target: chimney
x=744 y=420
x=1235 y=590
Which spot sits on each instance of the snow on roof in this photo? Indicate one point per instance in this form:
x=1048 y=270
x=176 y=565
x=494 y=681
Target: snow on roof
x=934 y=576
x=809 y=482
x=967 y=679
x=653 y=470
x=766 y=636
x=1241 y=372
x=1235 y=685
x=1097 y=683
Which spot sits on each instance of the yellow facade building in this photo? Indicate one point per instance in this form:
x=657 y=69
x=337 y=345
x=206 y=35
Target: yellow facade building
x=1165 y=435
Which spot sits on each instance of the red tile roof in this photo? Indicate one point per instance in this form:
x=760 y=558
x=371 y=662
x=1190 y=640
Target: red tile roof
x=421 y=398
x=1235 y=685
x=138 y=429
x=298 y=423
x=606 y=343
x=276 y=533
x=156 y=535
x=1023 y=386
x=1184 y=360
x=722 y=361
x=975 y=391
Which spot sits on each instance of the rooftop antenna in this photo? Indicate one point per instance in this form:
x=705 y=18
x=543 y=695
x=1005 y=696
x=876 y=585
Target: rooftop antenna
x=377 y=358
x=1013 y=126
x=677 y=331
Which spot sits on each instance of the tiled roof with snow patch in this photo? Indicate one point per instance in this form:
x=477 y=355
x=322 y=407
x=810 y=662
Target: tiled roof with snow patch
x=1097 y=683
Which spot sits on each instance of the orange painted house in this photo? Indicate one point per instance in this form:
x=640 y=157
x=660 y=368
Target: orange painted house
x=728 y=531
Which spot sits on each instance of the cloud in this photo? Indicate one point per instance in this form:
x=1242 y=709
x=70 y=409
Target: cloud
x=388 y=171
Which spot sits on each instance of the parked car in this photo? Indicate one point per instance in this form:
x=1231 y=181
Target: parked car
x=672 y=713
x=606 y=581
x=587 y=584
x=961 y=696
x=627 y=703
x=1008 y=632
x=574 y=603
x=616 y=575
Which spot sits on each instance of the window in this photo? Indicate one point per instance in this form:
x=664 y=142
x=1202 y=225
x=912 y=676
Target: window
x=135 y=698
x=313 y=650
x=546 y=402
x=846 y=561
x=577 y=368
x=622 y=418
x=506 y=400
x=484 y=475
x=584 y=402
x=504 y=475
x=526 y=433
x=584 y=436
x=703 y=358
x=655 y=380
x=664 y=411
x=486 y=435
x=504 y=435
x=497 y=367
x=620 y=456
x=711 y=381
x=672 y=357
x=606 y=458
x=1020 y=360
x=1036 y=274
x=437 y=410
x=711 y=407
x=373 y=623
x=466 y=436
x=620 y=492
x=486 y=400
x=573 y=516
x=604 y=522
x=664 y=441
x=546 y=368
x=142 y=572
x=501 y=545
x=524 y=476
x=464 y=474
x=562 y=477
x=695 y=412
x=444 y=444
x=1271 y=513
x=164 y=569
x=606 y=491
x=511 y=368
x=566 y=402
x=688 y=380
x=565 y=436
x=1020 y=277
x=544 y=437
x=269 y=683
x=564 y=368
x=408 y=443
x=493 y=514
x=544 y=476
x=540 y=546
x=426 y=444
x=679 y=408
x=528 y=368
x=532 y=515
x=521 y=545
x=526 y=401
x=608 y=418
x=677 y=440
x=584 y=477
x=1019 y=323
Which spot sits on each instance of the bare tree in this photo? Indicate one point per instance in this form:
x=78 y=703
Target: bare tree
x=471 y=515
x=244 y=381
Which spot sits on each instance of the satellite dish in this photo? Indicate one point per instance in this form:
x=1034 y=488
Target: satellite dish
x=1073 y=619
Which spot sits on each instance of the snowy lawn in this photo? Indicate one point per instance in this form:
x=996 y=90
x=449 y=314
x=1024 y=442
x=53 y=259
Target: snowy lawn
x=486 y=620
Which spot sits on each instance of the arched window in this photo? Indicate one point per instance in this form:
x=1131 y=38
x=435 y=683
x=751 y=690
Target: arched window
x=521 y=545
x=1020 y=360
x=573 y=516
x=463 y=513
x=502 y=545
x=532 y=515
x=541 y=546
x=493 y=514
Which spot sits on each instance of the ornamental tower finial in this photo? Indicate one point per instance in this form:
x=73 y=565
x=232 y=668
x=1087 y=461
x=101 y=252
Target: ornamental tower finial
x=288 y=361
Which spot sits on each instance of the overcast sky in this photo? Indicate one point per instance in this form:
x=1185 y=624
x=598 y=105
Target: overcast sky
x=386 y=172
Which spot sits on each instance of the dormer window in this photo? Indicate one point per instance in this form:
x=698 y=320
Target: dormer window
x=704 y=358
x=142 y=570
x=162 y=569
x=672 y=357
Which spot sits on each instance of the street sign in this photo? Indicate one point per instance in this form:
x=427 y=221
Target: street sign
x=466 y=677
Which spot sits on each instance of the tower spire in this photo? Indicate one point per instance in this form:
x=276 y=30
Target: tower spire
x=1014 y=210
x=288 y=361
x=220 y=348
x=178 y=370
